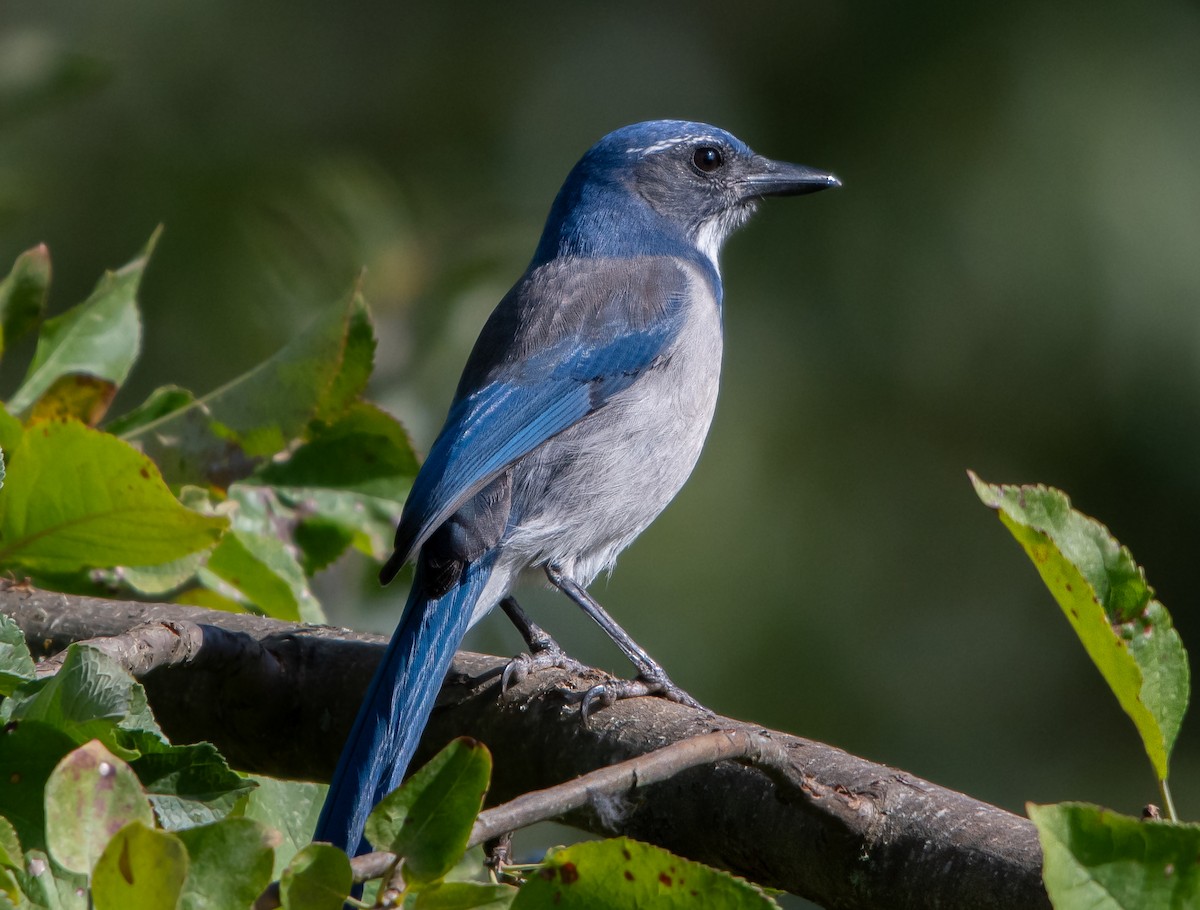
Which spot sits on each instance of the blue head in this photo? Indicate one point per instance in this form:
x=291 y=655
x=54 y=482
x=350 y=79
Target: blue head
x=665 y=187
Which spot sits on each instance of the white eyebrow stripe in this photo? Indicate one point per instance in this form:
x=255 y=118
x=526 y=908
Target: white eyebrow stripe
x=663 y=145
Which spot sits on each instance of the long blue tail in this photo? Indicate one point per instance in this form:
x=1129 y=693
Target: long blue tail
x=397 y=705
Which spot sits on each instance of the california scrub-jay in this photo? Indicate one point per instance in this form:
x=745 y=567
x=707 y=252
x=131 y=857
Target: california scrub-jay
x=581 y=412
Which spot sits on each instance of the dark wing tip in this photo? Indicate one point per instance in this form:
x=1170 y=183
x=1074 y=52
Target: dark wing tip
x=393 y=565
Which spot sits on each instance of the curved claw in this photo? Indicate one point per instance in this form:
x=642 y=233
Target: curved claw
x=522 y=665
x=601 y=693
x=605 y=694
x=514 y=671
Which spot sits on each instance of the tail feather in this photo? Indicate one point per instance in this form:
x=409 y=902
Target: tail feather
x=397 y=705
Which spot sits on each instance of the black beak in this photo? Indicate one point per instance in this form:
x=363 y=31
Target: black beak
x=778 y=178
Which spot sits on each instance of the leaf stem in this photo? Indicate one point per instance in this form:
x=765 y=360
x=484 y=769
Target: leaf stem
x=1168 y=803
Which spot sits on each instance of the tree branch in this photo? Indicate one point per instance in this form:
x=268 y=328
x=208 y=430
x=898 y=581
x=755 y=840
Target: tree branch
x=279 y=698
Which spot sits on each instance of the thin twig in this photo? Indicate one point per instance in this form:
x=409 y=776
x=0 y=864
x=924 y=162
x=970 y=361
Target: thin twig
x=615 y=780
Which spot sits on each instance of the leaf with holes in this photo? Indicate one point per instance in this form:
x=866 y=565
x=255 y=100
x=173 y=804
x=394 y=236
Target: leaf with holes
x=1103 y=592
x=140 y=869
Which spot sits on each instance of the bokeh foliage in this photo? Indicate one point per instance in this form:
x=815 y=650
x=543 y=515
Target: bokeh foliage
x=1008 y=280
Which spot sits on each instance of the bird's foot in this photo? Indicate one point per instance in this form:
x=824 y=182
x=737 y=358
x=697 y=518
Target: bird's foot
x=605 y=694
x=549 y=656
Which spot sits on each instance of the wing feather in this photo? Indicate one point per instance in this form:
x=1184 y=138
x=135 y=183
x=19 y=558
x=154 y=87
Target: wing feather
x=557 y=349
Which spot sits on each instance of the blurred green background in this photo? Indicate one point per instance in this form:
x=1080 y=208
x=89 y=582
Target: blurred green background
x=1007 y=282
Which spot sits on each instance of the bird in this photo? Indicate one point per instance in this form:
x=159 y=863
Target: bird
x=581 y=412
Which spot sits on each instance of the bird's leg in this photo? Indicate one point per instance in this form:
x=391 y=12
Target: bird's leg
x=652 y=679
x=544 y=652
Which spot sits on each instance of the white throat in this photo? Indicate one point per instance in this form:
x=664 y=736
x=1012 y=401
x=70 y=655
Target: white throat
x=712 y=233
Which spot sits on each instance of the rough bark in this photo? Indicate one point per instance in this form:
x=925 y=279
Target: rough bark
x=279 y=698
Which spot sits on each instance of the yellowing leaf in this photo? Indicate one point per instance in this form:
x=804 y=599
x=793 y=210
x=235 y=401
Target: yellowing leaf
x=76 y=498
x=100 y=338
x=1103 y=592
x=140 y=869
x=624 y=874
x=77 y=395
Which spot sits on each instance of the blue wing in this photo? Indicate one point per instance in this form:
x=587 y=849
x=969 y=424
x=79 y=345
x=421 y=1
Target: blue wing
x=556 y=349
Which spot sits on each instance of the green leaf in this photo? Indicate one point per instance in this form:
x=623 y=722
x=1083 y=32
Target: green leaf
x=98 y=340
x=140 y=869
x=11 y=431
x=321 y=542
x=156 y=581
x=90 y=796
x=23 y=295
x=209 y=599
x=29 y=752
x=221 y=437
x=261 y=569
x=230 y=864
x=290 y=807
x=188 y=785
x=16 y=664
x=365 y=450
x=11 y=854
x=50 y=886
x=369 y=522
x=90 y=697
x=1103 y=592
x=428 y=819
x=353 y=474
x=624 y=874
x=356 y=362
x=464 y=896
x=162 y=401
x=318 y=878
x=12 y=862
x=10 y=890
x=77 y=498
x=1100 y=860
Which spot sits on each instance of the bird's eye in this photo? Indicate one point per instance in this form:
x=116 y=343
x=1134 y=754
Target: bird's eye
x=707 y=159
